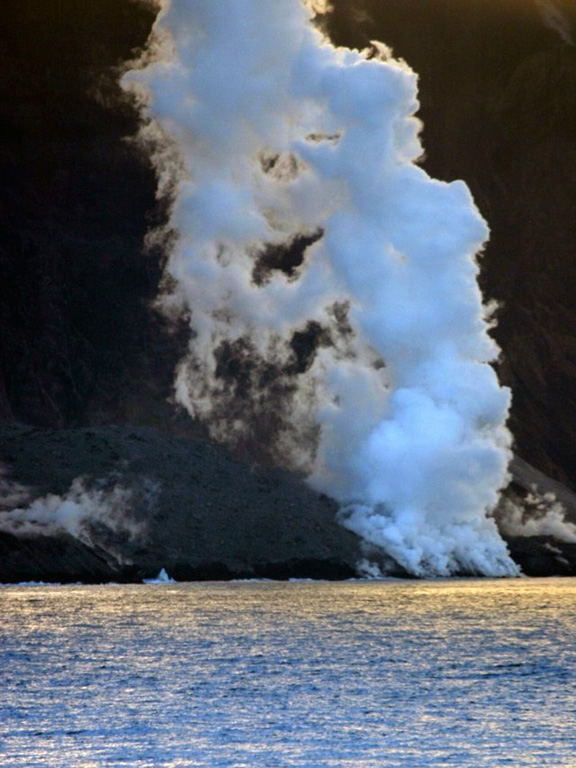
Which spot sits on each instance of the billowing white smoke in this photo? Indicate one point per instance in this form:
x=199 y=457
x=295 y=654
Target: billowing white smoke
x=302 y=223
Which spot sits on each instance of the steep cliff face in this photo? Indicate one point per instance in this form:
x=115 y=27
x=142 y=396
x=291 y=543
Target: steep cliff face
x=80 y=344
x=76 y=202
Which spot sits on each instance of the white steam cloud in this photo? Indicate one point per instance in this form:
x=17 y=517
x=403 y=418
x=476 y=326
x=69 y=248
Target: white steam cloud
x=536 y=515
x=331 y=285
x=84 y=512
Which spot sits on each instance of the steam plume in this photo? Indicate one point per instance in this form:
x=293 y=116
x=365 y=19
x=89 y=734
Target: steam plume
x=89 y=512
x=554 y=18
x=330 y=283
x=536 y=515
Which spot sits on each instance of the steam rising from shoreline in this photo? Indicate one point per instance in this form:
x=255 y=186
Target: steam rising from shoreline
x=330 y=284
x=78 y=512
x=535 y=515
x=87 y=511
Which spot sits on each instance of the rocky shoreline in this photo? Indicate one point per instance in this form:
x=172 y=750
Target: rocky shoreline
x=156 y=501
x=118 y=504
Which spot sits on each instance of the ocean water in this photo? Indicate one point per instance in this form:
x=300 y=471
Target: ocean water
x=250 y=674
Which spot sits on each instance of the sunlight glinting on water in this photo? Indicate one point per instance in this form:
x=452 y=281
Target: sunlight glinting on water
x=363 y=674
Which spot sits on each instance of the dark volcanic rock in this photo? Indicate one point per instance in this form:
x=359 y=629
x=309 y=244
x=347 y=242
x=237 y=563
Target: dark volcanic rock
x=543 y=555
x=202 y=513
x=78 y=342
x=59 y=559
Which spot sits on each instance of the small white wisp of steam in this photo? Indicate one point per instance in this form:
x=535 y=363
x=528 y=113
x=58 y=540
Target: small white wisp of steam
x=79 y=512
x=536 y=515
x=331 y=285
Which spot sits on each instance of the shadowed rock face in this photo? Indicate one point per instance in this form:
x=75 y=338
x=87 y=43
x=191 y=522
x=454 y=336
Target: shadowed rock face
x=79 y=344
